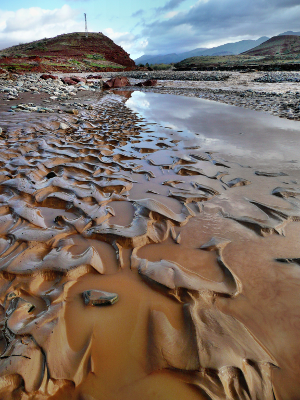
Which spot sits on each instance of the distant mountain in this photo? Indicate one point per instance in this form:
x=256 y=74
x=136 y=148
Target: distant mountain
x=276 y=46
x=289 y=33
x=163 y=58
x=225 y=49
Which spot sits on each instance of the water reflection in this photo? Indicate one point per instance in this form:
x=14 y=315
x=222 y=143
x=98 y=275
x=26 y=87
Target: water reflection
x=254 y=137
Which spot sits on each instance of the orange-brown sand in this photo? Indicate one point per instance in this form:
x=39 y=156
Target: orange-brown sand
x=150 y=251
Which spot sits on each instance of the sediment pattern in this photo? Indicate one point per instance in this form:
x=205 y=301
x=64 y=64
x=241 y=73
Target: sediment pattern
x=117 y=274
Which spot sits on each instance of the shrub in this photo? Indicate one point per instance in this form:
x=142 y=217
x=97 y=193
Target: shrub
x=161 y=67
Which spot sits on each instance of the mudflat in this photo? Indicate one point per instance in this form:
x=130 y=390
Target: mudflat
x=149 y=250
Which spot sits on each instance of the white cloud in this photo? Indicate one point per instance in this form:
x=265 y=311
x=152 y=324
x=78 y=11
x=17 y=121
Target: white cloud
x=171 y=14
x=128 y=41
x=28 y=24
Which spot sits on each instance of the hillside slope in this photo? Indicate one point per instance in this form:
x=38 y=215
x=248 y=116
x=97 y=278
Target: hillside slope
x=73 y=51
x=276 y=46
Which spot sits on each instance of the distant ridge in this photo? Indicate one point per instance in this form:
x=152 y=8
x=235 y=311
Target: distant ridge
x=225 y=49
x=289 y=33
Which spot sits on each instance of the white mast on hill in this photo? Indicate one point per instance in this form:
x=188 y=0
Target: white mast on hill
x=86 y=29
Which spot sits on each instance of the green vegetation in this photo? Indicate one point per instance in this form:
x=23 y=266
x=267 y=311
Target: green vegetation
x=108 y=65
x=161 y=67
x=96 y=57
x=237 y=61
x=72 y=61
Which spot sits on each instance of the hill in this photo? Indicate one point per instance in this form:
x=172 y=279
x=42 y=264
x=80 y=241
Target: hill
x=68 y=52
x=276 y=46
x=225 y=49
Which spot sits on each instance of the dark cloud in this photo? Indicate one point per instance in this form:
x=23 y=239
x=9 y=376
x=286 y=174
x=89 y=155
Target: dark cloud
x=138 y=13
x=213 y=20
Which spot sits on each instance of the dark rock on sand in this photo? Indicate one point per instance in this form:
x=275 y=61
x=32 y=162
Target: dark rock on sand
x=99 y=298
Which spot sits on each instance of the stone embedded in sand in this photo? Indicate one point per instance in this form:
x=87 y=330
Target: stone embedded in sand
x=63 y=126
x=94 y=77
x=116 y=82
x=73 y=111
x=48 y=76
x=78 y=79
x=68 y=81
x=99 y=298
x=149 y=82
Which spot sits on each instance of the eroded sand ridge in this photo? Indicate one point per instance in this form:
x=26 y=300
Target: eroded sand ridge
x=137 y=263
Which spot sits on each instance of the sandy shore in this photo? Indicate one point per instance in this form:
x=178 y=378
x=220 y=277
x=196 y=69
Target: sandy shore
x=248 y=90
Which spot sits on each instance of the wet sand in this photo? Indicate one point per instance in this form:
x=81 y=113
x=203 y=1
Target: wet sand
x=149 y=251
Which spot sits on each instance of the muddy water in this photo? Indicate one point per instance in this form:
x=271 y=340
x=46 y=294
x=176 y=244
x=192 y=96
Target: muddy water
x=150 y=251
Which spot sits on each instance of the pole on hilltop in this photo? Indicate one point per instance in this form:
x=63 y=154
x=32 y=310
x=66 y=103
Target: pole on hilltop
x=86 y=30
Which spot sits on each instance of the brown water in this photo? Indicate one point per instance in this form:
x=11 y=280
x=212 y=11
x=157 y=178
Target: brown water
x=186 y=212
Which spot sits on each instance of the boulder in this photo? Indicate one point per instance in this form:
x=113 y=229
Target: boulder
x=48 y=76
x=117 y=82
x=149 y=82
x=68 y=81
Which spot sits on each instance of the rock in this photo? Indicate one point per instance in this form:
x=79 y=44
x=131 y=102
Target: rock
x=99 y=298
x=77 y=79
x=94 y=77
x=73 y=111
x=68 y=81
x=116 y=82
x=63 y=126
x=149 y=82
x=48 y=76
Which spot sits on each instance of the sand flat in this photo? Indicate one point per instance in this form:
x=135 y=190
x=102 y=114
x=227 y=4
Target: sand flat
x=182 y=210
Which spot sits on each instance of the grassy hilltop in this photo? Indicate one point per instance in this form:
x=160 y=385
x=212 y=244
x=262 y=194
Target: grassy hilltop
x=68 y=52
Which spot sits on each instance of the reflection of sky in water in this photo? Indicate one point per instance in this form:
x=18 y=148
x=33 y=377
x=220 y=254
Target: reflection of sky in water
x=228 y=130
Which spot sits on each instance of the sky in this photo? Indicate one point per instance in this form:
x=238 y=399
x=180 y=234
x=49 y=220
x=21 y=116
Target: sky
x=149 y=27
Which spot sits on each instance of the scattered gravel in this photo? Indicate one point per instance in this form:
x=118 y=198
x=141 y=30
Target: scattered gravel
x=56 y=89
x=277 y=92
x=178 y=75
x=277 y=77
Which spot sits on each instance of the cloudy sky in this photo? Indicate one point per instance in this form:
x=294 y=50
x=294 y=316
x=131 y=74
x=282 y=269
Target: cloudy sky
x=150 y=27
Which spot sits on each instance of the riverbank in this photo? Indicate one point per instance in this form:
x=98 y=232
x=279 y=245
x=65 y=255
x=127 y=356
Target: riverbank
x=277 y=93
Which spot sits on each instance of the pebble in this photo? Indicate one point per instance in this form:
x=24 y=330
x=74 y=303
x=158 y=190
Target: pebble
x=33 y=83
x=63 y=126
x=178 y=75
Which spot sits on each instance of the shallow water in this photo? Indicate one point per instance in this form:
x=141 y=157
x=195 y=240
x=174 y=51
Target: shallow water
x=186 y=212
